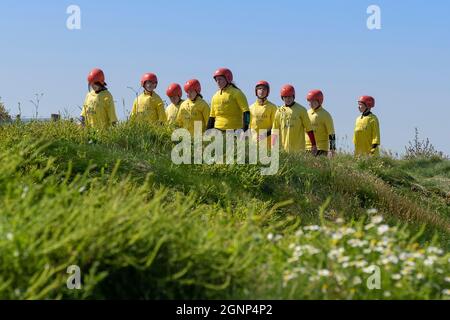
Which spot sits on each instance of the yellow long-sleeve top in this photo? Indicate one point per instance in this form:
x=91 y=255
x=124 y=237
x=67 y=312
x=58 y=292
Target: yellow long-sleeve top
x=192 y=111
x=323 y=126
x=98 y=110
x=227 y=107
x=367 y=134
x=172 y=111
x=148 y=108
x=292 y=123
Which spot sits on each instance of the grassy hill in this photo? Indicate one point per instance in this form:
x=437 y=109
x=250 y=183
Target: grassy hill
x=138 y=226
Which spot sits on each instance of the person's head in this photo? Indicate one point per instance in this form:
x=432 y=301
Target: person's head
x=193 y=89
x=315 y=99
x=366 y=103
x=262 y=90
x=96 y=79
x=288 y=94
x=149 y=82
x=174 y=93
x=223 y=77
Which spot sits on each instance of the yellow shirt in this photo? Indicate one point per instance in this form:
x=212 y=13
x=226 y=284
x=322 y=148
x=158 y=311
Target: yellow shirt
x=292 y=123
x=98 y=110
x=172 y=111
x=322 y=124
x=262 y=117
x=148 y=108
x=192 y=111
x=367 y=133
x=227 y=106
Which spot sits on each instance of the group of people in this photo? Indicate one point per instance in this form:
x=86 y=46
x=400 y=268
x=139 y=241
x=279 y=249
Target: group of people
x=297 y=129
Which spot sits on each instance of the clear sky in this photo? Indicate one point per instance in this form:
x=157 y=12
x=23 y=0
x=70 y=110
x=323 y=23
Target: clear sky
x=311 y=44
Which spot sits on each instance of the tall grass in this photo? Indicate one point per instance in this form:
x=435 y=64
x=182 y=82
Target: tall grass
x=138 y=226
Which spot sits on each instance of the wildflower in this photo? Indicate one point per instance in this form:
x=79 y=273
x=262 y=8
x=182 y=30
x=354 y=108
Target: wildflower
x=383 y=229
x=397 y=276
x=9 y=236
x=372 y=211
x=377 y=219
x=387 y=294
x=356 y=280
x=434 y=250
x=446 y=292
x=430 y=261
x=312 y=228
x=324 y=273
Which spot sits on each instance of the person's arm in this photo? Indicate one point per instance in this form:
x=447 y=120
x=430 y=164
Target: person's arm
x=309 y=130
x=111 y=108
x=246 y=120
x=212 y=115
x=134 y=109
x=242 y=102
x=162 y=118
x=179 y=118
x=275 y=126
x=206 y=113
x=376 y=141
x=329 y=126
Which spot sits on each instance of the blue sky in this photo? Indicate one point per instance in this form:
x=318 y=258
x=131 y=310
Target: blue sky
x=315 y=44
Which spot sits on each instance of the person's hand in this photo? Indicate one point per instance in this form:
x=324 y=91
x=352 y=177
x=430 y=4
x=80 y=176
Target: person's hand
x=261 y=137
x=274 y=139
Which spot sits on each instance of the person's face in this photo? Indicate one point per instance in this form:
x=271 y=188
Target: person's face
x=261 y=92
x=314 y=104
x=221 y=82
x=150 y=86
x=192 y=94
x=96 y=87
x=288 y=100
x=362 y=107
x=175 y=99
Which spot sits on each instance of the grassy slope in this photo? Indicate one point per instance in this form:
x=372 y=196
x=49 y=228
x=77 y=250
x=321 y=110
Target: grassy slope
x=149 y=229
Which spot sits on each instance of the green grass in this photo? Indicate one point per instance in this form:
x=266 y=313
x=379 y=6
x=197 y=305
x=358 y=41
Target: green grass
x=139 y=226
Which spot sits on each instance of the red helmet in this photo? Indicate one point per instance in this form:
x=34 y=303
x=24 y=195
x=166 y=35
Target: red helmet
x=149 y=77
x=193 y=84
x=315 y=95
x=287 y=91
x=368 y=101
x=225 y=73
x=174 y=90
x=96 y=75
x=265 y=84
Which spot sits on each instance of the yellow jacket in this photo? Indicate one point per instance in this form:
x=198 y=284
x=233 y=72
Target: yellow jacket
x=227 y=106
x=148 y=108
x=172 y=111
x=323 y=126
x=367 y=133
x=98 y=110
x=292 y=123
x=192 y=111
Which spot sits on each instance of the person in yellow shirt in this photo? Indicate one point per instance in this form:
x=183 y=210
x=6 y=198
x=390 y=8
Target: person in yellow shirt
x=229 y=106
x=262 y=112
x=367 y=129
x=174 y=93
x=194 y=109
x=322 y=124
x=149 y=107
x=292 y=121
x=98 y=110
